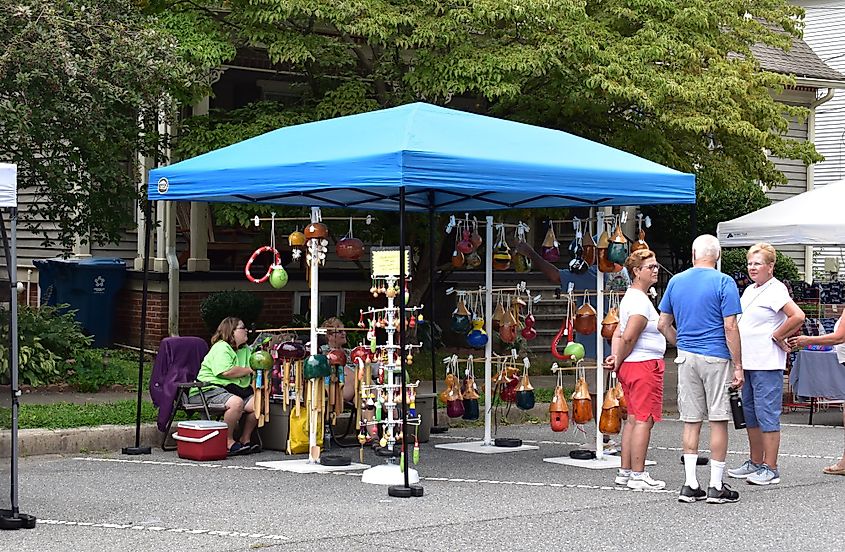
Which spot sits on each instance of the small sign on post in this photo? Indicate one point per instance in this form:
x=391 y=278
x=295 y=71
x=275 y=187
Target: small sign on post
x=384 y=262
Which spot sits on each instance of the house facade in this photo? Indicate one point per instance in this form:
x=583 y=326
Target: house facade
x=824 y=32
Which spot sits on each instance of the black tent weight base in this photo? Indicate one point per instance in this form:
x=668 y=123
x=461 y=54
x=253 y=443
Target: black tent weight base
x=10 y=521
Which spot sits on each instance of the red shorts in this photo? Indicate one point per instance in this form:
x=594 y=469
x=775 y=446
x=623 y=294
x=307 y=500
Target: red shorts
x=642 y=383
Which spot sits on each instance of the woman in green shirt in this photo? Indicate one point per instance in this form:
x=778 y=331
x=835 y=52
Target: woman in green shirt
x=227 y=366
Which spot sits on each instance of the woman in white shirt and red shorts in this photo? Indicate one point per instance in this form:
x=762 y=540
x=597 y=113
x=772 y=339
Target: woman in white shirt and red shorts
x=637 y=353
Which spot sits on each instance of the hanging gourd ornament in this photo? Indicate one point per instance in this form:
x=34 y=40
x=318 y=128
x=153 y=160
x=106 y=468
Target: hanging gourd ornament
x=316 y=230
x=296 y=239
x=610 y=322
x=617 y=249
x=550 y=250
x=501 y=259
x=464 y=245
x=278 y=276
x=525 y=393
x=589 y=249
x=585 y=319
x=574 y=351
x=610 y=421
x=461 y=319
x=640 y=243
x=582 y=404
x=507 y=329
x=349 y=247
x=559 y=411
x=605 y=264
x=529 y=332
x=498 y=314
x=472 y=260
x=477 y=337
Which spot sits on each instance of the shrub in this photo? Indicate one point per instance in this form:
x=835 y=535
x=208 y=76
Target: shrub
x=46 y=336
x=734 y=260
x=90 y=371
x=217 y=306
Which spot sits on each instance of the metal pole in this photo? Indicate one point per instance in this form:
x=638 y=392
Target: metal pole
x=432 y=311
x=488 y=348
x=403 y=342
x=407 y=490
x=138 y=449
x=12 y=518
x=313 y=450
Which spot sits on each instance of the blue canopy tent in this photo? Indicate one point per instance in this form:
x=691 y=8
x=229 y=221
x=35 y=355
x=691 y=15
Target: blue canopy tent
x=470 y=162
x=423 y=158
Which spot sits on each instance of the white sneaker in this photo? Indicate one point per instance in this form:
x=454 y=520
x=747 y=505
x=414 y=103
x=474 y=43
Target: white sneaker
x=622 y=479
x=644 y=482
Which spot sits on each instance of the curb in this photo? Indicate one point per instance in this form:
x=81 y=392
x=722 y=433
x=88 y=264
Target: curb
x=33 y=442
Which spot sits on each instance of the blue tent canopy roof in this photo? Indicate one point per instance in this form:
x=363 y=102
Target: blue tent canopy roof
x=447 y=160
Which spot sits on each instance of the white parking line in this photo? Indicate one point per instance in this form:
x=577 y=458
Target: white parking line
x=155 y=528
x=670 y=449
x=358 y=474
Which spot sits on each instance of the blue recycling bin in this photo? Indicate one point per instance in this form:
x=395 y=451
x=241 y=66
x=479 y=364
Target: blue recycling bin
x=89 y=287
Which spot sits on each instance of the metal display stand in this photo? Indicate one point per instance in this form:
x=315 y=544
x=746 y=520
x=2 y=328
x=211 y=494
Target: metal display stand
x=487 y=445
x=391 y=472
x=312 y=463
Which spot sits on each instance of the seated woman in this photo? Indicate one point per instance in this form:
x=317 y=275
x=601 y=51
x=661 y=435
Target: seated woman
x=227 y=367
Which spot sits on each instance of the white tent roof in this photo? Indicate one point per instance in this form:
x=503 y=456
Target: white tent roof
x=8 y=185
x=811 y=218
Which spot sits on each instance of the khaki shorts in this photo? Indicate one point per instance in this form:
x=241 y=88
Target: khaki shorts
x=702 y=387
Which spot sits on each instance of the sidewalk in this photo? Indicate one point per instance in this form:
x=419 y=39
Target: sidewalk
x=72 y=441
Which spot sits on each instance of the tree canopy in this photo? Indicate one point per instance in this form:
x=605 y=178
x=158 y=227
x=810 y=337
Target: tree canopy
x=673 y=81
x=83 y=85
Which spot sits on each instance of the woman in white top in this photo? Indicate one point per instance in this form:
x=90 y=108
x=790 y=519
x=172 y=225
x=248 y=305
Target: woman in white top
x=637 y=353
x=768 y=317
x=837 y=339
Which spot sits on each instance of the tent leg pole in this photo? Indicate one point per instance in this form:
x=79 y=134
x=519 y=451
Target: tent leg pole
x=488 y=347
x=138 y=449
x=12 y=518
x=406 y=490
x=435 y=427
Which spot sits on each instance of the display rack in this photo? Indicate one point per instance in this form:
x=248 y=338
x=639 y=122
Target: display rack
x=487 y=445
x=390 y=473
x=313 y=388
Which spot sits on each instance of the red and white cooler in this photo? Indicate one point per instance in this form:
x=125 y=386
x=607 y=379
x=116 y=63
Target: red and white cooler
x=201 y=440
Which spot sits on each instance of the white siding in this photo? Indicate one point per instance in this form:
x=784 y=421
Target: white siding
x=825 y=33
x=796 y=172
x=30 y=244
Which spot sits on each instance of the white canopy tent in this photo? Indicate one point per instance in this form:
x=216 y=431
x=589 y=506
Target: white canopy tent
x=810 y=218
x=11 y=518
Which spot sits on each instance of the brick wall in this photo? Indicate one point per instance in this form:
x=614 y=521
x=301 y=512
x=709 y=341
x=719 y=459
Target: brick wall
x=276 y=312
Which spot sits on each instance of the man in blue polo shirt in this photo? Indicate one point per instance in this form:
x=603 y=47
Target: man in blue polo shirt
x=704 y=304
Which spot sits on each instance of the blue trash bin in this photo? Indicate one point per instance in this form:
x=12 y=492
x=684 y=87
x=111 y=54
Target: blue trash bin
x=89 y=287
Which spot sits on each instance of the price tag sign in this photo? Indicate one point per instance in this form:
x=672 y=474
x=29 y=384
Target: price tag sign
x=385 y=261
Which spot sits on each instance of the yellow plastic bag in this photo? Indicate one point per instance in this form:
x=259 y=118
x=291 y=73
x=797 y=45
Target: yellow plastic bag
x=298 y=434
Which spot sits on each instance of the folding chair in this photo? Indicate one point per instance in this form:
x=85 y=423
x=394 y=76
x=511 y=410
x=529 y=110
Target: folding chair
x=174 y=375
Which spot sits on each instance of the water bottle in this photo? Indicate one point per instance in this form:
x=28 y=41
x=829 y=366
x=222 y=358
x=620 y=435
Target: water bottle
x=736 y=408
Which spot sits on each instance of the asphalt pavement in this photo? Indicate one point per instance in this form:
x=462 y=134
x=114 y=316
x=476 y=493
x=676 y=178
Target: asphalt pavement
x=510 y=501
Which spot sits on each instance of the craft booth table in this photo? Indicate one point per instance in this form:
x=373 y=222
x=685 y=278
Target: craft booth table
x=427 y=159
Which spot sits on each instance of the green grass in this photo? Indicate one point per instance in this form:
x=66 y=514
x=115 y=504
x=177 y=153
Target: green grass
x=66 y=415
